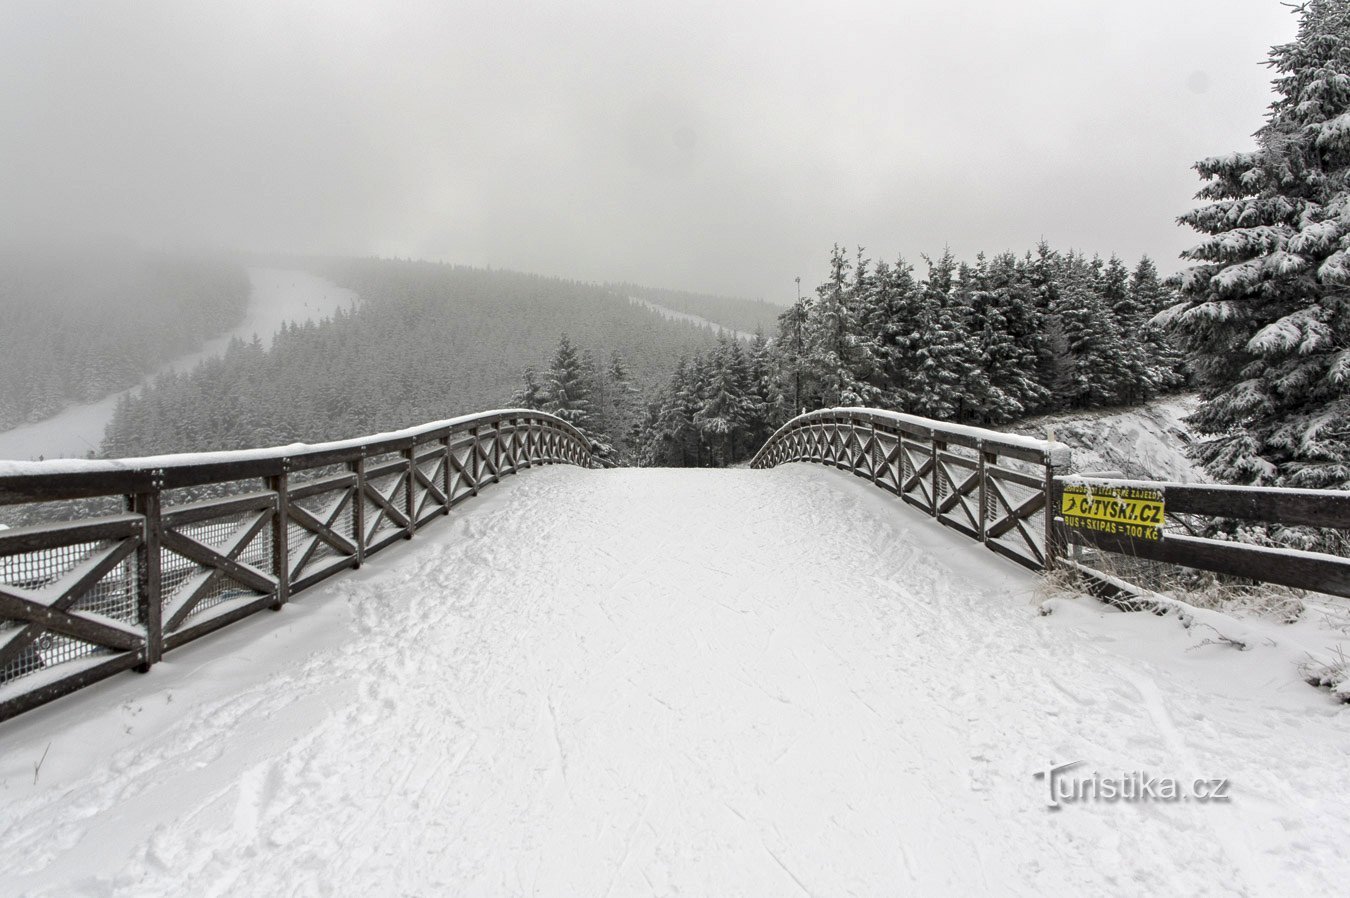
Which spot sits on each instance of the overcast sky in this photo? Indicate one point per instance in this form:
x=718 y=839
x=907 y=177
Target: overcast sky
x=714 y=146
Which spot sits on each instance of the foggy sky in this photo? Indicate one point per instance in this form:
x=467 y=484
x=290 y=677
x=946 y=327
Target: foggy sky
x=714 y=146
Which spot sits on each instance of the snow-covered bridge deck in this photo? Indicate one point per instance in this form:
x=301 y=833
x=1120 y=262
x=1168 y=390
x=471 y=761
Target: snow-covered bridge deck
x=647 y=682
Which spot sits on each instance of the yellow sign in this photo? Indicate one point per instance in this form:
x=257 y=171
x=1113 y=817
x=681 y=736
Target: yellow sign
x=1136 y=512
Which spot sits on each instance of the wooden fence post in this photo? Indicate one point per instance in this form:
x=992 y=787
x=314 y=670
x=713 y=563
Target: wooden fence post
x=988 y=504
x=359 y=507
x=149 y=585
x=936 y=480
x=410 y=491
x=475 y=467
x=447 y=479
x=281 y=552
x=1054 y=491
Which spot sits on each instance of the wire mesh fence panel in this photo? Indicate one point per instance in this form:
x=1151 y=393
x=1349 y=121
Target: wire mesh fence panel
x=204 y=586
x=26 y=647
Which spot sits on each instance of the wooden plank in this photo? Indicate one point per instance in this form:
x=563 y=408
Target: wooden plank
x=1021 y=478
x=51 y=536
x=68 y=623
x=313 y=488
x=384 y=542
x=27 y=701
x=1300 y=570
x=206 y=556
x=16 y=489
x=1011 y=553
x=322 y=572
x=205 y=510
x=1308 y=508
x=198 y=629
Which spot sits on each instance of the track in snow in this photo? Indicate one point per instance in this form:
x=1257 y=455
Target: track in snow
x=648 y=681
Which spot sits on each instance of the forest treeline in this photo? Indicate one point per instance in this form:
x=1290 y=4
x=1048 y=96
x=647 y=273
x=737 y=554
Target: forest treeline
x=426 y=341
x=83 y=323
x=986 y=342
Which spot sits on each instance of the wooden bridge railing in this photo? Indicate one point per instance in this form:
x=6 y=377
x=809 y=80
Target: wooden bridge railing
x=991 y=486
x=157 y=552
x=1015 y=495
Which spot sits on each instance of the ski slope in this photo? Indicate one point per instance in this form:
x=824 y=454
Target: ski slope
x=277 y=297
x=635 y=682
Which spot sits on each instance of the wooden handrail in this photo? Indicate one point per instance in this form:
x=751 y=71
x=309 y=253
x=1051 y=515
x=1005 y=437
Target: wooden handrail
x=919 y=460
x=102 y=594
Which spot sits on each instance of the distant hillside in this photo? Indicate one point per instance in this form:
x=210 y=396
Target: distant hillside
x=745 y=315
x=80 y=324
x=427 y=341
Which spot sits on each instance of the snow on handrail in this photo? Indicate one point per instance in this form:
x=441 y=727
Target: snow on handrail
x=1055 y=453
x=974 y=492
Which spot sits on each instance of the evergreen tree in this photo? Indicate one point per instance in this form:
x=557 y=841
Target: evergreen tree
x=1265 y=309
x=839 y=358
x=1008 y=329
x=950 y=379
x=1150 y=296
x=569 y=387
x=531 y=393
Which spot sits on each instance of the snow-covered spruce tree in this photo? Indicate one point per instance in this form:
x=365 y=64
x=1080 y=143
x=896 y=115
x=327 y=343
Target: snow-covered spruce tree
x=569 y=390
x=1097 y=371
x=891 y=319
x=949 y=378
x=1008 y=329
x=1137 y=382
x=1149 y=295
x=839 y=357
x=1265 y=310
x=531 y=392
x=790 y=353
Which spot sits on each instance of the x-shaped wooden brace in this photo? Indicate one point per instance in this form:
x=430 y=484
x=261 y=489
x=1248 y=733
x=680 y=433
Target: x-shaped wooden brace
x=960 y=491
x=219 y=566
x=322 y=532
x=1015 y=516
x=42 y=613
x=917 y=472
x=428 y=482
x=463 y=472
x=386 y=506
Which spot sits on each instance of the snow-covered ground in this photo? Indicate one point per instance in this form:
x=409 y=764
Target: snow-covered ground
x=277 y=296
x=706 y=682
x=673 y=315
x=1146 y=442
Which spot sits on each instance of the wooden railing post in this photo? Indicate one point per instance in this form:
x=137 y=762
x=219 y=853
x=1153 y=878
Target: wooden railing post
x=447 y=478
x=410 y=491
x=936 y=480
x=149 y=586
x=358 y=468
x=281 y=552
x=475 y=466
x=496 y=452
x=986 y=459
x=1054 y=490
